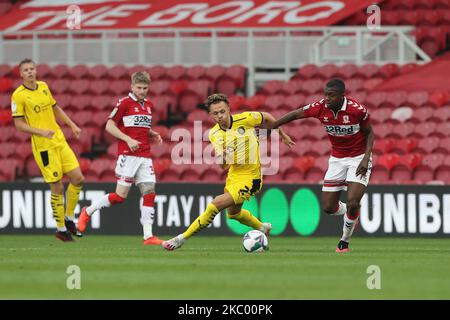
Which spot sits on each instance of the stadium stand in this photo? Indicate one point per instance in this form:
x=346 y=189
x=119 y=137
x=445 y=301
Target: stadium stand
x=411 y=119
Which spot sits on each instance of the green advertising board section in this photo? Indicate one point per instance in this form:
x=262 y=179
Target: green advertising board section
x=301 y=211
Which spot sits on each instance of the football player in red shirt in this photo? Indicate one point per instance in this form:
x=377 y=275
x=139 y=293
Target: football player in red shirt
x=130 y=122
x=347 y=124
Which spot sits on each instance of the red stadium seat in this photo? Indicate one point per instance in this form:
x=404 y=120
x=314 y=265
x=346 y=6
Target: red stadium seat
x=438 y=99
x=158 y=72
x=348 y=71
x=383 y=146
x=405 y=167
x=442 y=173
x=212 y=174
x=354 y=85
x=5 y=70
x=274 y=102
x=60 y=86
x=328 y=71
x=31 y=168
x=425 y=171
x=238 y=74
x=368 y=71
x=8 y=170
x=175 y=72
x=408 y=67
x=422 y=114
x=194 y=73
x=78 y=71
x=236 y=102
x=423 y=130
x=160 y=87
x=427 y=145
x=226 y=85
x=291 y=87
x=213 y=73
x=119 y=72
x=375 y=99
x=312 y=86
x=417 y=99
x=293 y=175
x=380 y=115
x=295 y=101
x=395 y=99
x=388 y=70
x=303 y=164
x=60 y=71
x=308 y=71
x=444 y=146
x=402 y=130
x=405 y=146
x=443 y=129
x=79 y=86
x=271 y=87
x=255 y=102
x=441 y=114
x=97 y=72
x=98 y=87
x=7 y=134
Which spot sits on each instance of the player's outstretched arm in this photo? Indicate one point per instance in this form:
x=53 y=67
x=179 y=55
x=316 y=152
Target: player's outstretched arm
x=268 y=123
x=62 y=116
x=21 y=125
x=288 y=117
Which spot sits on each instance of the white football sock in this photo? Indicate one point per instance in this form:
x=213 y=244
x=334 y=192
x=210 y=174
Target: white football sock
x=347 y=230
x=147 y=217
x=98 y=205
x=342 y=209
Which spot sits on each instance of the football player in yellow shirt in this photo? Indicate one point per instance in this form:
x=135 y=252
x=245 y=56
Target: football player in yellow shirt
x=34 y=110
x=237 y=150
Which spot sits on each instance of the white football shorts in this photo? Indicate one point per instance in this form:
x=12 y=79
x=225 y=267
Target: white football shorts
x=131 y=169
x=343 y=170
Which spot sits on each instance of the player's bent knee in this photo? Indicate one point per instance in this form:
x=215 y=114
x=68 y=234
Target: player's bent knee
x=330 y=209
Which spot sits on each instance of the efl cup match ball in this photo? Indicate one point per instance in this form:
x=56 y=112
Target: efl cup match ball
x=255 y=241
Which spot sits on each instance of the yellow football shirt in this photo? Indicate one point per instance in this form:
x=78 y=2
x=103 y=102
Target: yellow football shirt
x=36 y=106
x=239 y=144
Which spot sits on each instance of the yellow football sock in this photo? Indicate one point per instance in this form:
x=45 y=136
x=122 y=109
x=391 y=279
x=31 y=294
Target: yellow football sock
x=202 y=221
x=246 y=218
x=72 y=197
x=57 y=202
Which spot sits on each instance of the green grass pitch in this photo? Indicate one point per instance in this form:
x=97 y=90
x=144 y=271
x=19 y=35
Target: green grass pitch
x=120 y=267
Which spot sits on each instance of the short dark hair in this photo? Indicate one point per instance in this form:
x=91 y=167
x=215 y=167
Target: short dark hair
x=216 y=98
x=24 y=61
x=336 y=84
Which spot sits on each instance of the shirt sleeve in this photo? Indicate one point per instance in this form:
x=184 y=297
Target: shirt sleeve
x=118 y=112
x=17 y=107
x=253 y=119
x=365 y=117
x=52 y=100
x=312 y=110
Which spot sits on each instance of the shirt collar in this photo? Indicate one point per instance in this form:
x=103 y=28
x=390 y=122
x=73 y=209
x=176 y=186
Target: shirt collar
x=132 y=96
x=344 y=105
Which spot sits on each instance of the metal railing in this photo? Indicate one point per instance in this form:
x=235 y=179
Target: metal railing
x=268 y=52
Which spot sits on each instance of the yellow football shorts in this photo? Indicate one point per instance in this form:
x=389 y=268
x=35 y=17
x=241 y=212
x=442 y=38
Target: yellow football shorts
x=55 y=162
x=243 y=189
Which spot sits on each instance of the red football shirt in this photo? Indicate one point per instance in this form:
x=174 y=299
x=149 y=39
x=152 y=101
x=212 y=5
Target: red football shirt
x=343 y=128
x=134 y=119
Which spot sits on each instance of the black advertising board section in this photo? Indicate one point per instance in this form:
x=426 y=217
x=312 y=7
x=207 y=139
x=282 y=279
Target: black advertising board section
x=294 y=210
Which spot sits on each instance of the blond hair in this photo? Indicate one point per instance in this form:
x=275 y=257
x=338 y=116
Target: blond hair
x=140 y=77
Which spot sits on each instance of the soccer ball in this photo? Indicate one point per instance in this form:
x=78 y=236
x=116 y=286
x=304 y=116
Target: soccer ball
x=255 y=241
